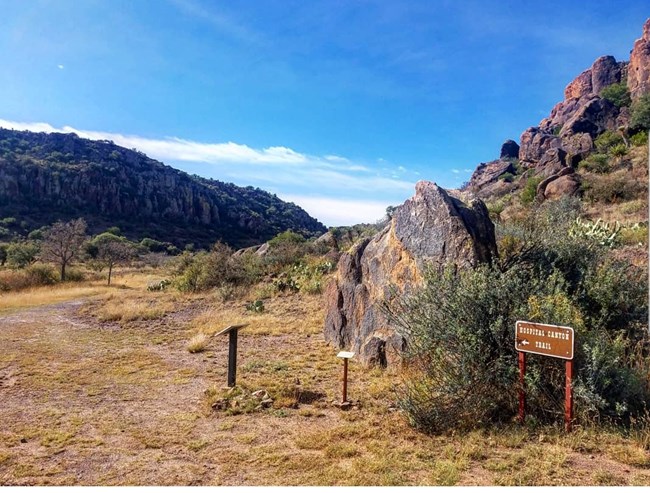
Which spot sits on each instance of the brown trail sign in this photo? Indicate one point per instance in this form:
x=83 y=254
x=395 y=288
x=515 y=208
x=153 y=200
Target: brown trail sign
x=547 y=340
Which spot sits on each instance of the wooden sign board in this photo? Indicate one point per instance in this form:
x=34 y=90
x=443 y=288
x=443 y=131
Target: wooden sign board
x=345 y=355
x=230 y=328
x=544 y=339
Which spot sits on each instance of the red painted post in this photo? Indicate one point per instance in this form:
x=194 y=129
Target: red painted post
x=522 y=387
x=345 y=380
x=568 y=402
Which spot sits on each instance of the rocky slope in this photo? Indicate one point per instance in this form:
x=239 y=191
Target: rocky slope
x=46 y=177
x=553 y=149
x=430 y=229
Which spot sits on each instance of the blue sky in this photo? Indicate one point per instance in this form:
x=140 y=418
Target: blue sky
x=338 y=106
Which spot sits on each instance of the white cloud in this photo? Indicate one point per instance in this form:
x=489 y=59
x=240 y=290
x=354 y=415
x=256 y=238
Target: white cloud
x=340 y=212
x=277 y=164
x=61 y=67
x=455 y=171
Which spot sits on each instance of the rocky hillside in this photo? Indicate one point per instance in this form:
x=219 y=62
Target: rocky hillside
x=46 y=177
x=604 y=112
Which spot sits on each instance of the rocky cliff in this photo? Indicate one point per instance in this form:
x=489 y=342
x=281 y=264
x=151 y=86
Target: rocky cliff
x=46 y=177
x=432 y=229
x=553 y=148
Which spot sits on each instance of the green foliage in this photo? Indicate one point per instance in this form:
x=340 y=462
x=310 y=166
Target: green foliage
x=303 y=277
x=639 y=139
x=529 y=192
x=617 y=94
x=557 y=130
x=619 y=150
x=596 y=163
x=612 y=188
x=286 y=238
x=600 y=232
x=460 y=362
x=640 y=114
x=256 y=306
x=608 y=139
x=9 y=221
x=3 y=253
x=507 y=177
x=22 y=254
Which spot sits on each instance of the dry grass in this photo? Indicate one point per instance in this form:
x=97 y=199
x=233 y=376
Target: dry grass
x=128 y=310
x=198 y=343
x=92 y=403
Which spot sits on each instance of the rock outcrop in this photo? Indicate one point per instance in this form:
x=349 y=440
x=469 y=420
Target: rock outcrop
x=430 y=229
x=45 y=177
x=638 y=74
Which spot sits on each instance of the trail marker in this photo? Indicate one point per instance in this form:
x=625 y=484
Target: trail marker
x=345 y=355
x=232 y=331
x=546 y=340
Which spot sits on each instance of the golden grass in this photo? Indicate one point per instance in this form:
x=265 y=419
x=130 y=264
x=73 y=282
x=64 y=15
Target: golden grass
x=198 y=343
x=128 y=310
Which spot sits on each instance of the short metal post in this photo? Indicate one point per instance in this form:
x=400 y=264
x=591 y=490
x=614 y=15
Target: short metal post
x=232 y=358
x=522 y=388
x=345 y=380
x=568 y=402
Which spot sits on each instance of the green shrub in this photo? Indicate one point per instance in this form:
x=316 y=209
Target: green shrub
x=596 y=163
x=460 y=365
x=20 y=255
x=507 y=177
x=42 y=274
x=608 y=139
x=619 y=150
x=529 y=192
x=640 y=114
x=256 y=306
x=612 y=188
x=639 y=139
x=618 y=94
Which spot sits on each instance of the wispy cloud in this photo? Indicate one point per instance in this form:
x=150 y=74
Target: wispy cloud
x=280 y=167
x=61 y=67
x=340 y=212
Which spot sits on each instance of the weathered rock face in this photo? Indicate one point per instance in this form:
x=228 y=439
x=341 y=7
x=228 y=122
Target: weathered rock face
x=431 y=228
x=509 y=150
x=486 y=179
x=534 y=143
x=638 y=75
x=604 y=72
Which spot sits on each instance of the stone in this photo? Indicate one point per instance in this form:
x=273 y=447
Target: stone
x=509 y=150
x=604 y=72
x=638 y=72
x=593 y=117
x=564 y=183
x=430 y=229
x=485 y=181
x=551 y=162
x=580 y=86
x=534 y=143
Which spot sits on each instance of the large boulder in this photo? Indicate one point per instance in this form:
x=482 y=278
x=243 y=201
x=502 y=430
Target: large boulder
x=534 y=143
x=430 y=229
x=487 y=178
x=638 y=74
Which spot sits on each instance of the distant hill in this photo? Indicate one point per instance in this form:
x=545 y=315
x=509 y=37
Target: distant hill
x=49 y=176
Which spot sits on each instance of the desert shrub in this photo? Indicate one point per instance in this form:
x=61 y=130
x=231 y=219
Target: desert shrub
x=306 y=276
x=285 y=249
x=596 y=163
x=3 y=253
x=607 y=140
x=636 y=234
x=639 y=139
x=30 y=277
x=507 y=177
x=460 y=361
x=618 y=94
x=619 y=150
x=640 y=114
x=612 y=188
x=255 y=306
x=529 y=192
x=22 y=254
x=42 y=274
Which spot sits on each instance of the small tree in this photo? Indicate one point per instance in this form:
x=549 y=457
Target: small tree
x=62 y=242
x=112 y=250
x=21 y=254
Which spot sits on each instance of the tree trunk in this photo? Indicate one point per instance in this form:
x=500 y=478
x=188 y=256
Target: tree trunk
x=63 y=271
x=110 y=271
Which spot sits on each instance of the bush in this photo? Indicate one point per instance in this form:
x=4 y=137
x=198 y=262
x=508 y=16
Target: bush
x=20 y=255
x=618 y=94
x=596 y=163
x=460 y=361
x=612 y=188
x=529 y=192
x=31 y=277
x=639 y=139
x=198 y=343
x=607 y=140
x=507 y=177
x=640 y=114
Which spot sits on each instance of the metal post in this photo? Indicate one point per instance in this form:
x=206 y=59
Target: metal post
x=345 y=380
x=568 y=402
x=232 y=358
x=522 y=388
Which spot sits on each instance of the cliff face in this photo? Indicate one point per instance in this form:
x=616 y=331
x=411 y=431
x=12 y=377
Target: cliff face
x=554 y=147
x=430 y=229
x=44 y=177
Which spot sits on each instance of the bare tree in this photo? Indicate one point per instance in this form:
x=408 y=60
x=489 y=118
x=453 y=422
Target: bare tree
x=62 y=242
x=113 y=250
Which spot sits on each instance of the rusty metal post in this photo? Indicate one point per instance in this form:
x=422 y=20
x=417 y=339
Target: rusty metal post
x=522 y=387
x=232 y=358
x=345 y=380
x=568 y=402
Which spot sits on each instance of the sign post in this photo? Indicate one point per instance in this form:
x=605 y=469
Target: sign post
x=546 y=340
x=232 y=331
x=345 y=355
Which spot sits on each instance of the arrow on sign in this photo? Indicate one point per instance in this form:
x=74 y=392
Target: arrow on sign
x=524 y=342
